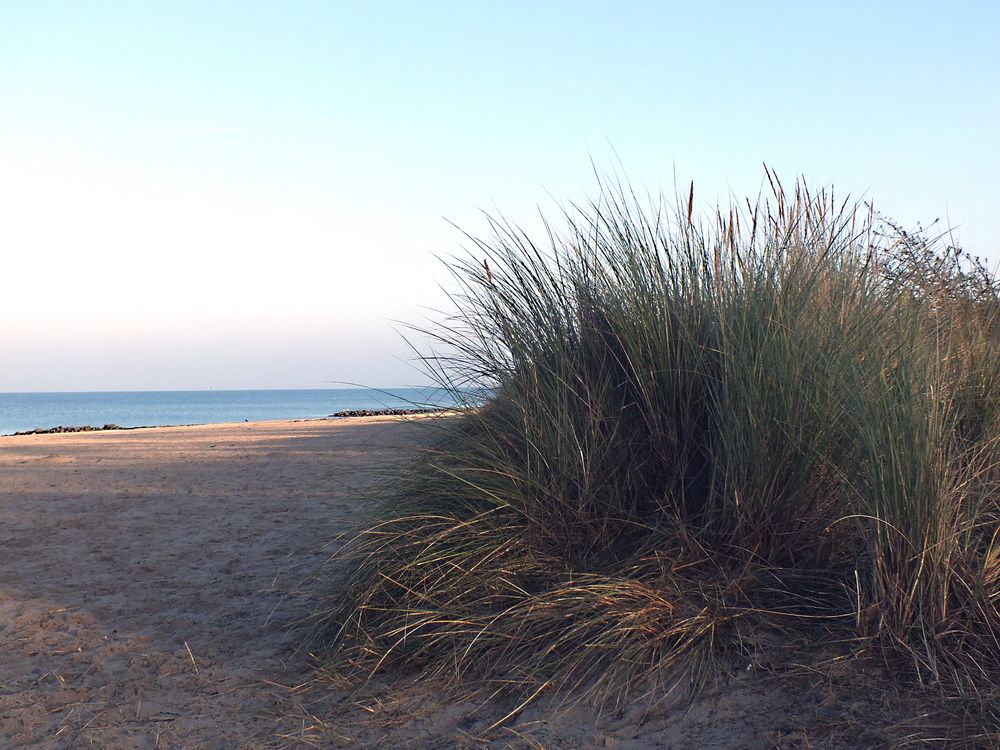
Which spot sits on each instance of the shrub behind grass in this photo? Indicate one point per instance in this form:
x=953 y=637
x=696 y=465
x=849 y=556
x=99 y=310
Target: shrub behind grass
x=785 y=420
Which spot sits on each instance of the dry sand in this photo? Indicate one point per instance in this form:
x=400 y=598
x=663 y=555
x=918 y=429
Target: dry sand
x=142 y=576
x=148 y=579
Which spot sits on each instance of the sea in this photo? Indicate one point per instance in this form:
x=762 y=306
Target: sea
x=21 y=412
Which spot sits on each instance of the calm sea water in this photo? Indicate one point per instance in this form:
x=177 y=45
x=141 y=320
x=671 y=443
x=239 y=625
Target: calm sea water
x=26 y=411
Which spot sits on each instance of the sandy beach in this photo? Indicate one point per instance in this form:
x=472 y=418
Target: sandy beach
x=145 y=576
x=148 y=580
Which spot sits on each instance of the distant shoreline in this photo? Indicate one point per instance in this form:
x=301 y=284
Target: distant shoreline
x=41 y=413
x=345 y=414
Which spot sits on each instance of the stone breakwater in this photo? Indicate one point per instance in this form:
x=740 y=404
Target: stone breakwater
x=384 y=412
x=61 y=428
x=346 y=413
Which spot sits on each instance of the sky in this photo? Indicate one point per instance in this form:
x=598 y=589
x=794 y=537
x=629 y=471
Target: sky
x=258 y=195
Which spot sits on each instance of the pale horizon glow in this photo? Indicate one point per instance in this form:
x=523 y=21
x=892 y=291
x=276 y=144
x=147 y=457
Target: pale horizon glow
x=243 y=196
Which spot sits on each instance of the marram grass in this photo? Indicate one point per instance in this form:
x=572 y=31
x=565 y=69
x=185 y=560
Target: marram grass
x=783 y=420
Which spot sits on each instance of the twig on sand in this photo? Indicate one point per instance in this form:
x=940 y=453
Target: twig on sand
x=191 y=656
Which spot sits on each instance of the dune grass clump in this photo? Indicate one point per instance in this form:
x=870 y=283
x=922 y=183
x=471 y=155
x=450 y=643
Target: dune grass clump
x=698 y=435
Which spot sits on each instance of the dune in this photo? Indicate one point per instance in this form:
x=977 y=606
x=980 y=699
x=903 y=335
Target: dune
x=149 y=579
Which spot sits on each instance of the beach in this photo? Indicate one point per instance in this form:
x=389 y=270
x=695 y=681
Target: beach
x=149 y=579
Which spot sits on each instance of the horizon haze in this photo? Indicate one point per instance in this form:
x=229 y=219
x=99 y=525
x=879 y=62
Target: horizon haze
x=249 y=196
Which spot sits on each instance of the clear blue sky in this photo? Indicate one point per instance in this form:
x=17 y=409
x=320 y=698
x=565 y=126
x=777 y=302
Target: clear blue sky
x=199 y=194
